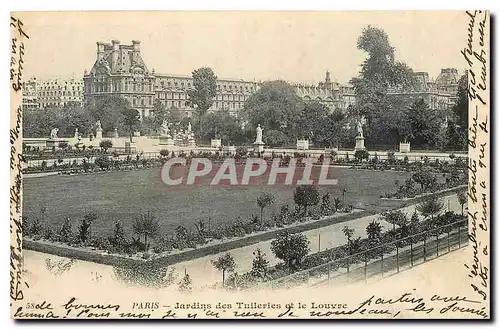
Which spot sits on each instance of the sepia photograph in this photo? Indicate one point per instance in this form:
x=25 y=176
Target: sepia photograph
x=250 y=164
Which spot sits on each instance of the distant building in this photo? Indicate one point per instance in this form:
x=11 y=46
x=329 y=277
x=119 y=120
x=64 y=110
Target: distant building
x=120 y=70
x=332 y=94
x=56 y=92
x=439 y=94
x=30 y=95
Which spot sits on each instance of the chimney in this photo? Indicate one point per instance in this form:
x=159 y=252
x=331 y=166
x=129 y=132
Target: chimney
x=100 y=50
x=137 y=46
x=327 y=79
x=116 y=49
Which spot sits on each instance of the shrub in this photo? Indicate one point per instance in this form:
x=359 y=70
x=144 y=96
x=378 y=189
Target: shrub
x=66 y=234
x=290 y=248
x=146 y=225
x=102 y=161
x=305 y=196
x=391 y=157
x=259 y=265
x=430 y=207
x=106 y=144
x=224 y=263
x=164 y=153
x=361 y=155
x=185 y=285
x=374 y=232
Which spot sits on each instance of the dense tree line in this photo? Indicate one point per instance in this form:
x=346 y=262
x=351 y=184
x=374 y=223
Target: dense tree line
x=284 y=116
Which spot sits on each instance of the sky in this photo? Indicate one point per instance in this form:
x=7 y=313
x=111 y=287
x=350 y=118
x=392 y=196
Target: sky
x=294 y=46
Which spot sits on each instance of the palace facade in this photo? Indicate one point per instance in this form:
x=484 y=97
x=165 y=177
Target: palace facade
x=120 y=70
x=39 y=94
x=439 y=94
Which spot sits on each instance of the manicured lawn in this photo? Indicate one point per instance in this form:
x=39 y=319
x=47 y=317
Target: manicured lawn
x=124 y=195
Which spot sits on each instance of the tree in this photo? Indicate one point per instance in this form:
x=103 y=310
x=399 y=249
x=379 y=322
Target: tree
x=424 y=124
x=425 y=178
x=276 y=107
x=84 y=232
x=374 y=231
x=222 y=125
x=185 y=285
x=119 y=239
x=131 y=120
x=395 y=217
x=461 y=110
x=290 y=248
x=361 y=155
x=326 y=206
x=105 y=144
x=66 y=233
x=379 y=72
x=430 y=207
x=202 y=95
x=263 y=201
x=146 y=225
x=305 y=196
x=259 y=264
x=109 y=110
x=462 y=199
x=349 y=233
x=224 y=263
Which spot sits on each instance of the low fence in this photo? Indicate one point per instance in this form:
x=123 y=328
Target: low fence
x=382 y=260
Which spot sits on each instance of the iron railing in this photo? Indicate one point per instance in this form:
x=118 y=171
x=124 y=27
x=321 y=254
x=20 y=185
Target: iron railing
x=382 y=260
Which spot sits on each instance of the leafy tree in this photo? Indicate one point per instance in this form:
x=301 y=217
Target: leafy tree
x=84 y=230
x=424 y=124
x=461 y=110
x=105 y=144
x=109 y=110
x=430 y=207
x=224 y=126
x=290 y=248
x=326 y=206
x=379 y=72
x=146 y=225
x=374 y=231
x=425 y=178
x=119 y=239
x=311 y=122
x=102 y=161
x=276 y=107
x=349 y=233
x=462 y=199
x=205 y=89
x=131 y=120
x=263 y=201
x=395 y=217
x=361 y=155
x=305 y=196
x=259 y=264
x=224 y=263
x=185 y=285
x=66 y=233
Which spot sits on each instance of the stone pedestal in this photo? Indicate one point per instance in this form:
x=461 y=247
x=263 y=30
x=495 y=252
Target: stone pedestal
x=215 y=143
x=258 y=147
x=191 y=143
x=229 y=150
x=54 y=142
x=98 y=134
x=166 y=140
x=115 y=134
x=302 y=144
x=404 y=147
x=360 y=143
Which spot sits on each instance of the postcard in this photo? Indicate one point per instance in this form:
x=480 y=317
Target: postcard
x=250 y=165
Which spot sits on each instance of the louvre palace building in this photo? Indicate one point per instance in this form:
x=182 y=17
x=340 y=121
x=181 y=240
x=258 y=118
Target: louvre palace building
x=120 y=70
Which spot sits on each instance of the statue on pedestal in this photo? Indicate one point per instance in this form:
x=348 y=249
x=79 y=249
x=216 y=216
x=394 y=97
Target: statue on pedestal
x=164 y=128
x=258 y=139
x=53 y=133
x=360 y=129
